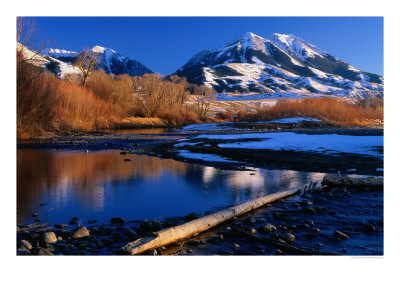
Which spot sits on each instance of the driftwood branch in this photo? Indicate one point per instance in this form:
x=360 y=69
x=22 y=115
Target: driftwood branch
x=29 y=227
x=178 y=233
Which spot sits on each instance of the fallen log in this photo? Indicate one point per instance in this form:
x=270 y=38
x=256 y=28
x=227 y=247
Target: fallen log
x=178 y=233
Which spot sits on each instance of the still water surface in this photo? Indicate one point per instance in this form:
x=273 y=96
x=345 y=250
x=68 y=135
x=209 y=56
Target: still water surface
x=59 y=185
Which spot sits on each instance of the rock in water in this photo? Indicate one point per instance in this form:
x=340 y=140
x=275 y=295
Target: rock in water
x=80 y=233
x=287 y=237
x=235 y=246
x=268 y=228
x=50 y=237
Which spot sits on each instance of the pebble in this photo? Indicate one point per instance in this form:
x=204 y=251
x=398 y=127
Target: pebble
x=253 y=231
x=26 y=244
x=80 y=233
x=287 y=237
x=221 y=236
x=340 y=235
x=235 y=246
x=50 y=237
x=92 y=221
x=316 y=230
x=72 y=223
x=268 y=228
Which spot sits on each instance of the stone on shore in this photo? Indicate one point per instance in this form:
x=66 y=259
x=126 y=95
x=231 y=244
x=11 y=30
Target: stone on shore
x=26 y=244
x=81 y=232
x=50 y=237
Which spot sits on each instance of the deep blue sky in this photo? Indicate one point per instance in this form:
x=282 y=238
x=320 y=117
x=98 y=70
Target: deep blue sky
x=164 y=44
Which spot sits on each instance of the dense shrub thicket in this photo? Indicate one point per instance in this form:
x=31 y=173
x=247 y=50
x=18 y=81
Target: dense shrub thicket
x=46 y=103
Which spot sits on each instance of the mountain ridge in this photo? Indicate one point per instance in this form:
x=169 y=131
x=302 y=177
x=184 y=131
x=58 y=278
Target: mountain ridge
x=281 y=63
x=110 y=61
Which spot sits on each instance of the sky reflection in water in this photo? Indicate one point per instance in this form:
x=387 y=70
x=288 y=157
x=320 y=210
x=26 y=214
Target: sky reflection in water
x=100 y=185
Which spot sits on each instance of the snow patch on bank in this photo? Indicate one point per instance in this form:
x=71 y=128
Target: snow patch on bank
x=321 y=143
x=204 y=157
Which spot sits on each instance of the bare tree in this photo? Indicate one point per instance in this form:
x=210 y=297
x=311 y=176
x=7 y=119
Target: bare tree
x=26 y=29
x=86 y=62
x=206 y=94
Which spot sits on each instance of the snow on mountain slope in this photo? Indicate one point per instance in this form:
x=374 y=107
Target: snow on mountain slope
x=56 y=53
x=280 y=64
x=114 y=63
x=50 y=63
x=109 y=60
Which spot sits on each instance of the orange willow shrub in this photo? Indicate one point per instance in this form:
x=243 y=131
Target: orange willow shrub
x=327 y=109
x=46 y=103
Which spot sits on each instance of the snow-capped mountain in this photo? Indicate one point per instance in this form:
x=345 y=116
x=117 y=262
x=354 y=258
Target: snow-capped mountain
x=109 y=60
x=279 y=64
x=114 y=63
x=60 y=68
x=56 y=53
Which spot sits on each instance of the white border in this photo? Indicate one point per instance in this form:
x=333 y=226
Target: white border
x=199 y=277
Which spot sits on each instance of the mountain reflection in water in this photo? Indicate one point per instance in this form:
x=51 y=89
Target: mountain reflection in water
x=100 y=185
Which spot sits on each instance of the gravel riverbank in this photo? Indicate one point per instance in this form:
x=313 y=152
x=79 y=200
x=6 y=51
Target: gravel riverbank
x=334 y=220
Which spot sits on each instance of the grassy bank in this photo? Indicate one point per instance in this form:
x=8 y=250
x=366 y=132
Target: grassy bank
x=330 y=110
